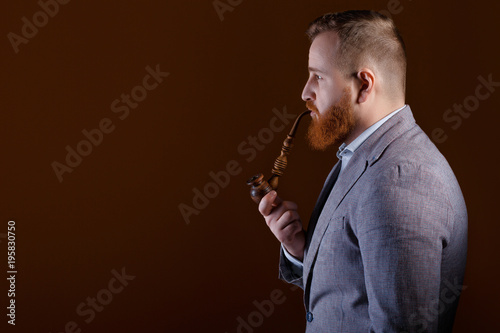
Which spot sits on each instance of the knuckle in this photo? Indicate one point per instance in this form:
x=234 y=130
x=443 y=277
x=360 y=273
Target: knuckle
x=284 y=236
x=286 y=216
x=297 y=227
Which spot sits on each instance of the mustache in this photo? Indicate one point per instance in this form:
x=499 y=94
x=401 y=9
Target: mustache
x=310 y=105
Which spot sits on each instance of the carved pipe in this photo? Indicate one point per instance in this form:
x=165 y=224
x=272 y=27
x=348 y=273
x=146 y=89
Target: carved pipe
x=259 y=186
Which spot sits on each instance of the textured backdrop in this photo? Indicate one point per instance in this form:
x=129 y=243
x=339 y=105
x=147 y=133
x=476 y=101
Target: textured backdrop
x=129 y=128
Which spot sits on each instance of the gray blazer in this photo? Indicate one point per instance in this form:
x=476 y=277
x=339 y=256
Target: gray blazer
x=388 y=251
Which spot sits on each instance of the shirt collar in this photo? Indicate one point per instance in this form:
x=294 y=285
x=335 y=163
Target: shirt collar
x=351 y=148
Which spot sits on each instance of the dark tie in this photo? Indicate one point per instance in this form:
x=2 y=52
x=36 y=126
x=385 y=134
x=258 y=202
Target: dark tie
x=323 y=196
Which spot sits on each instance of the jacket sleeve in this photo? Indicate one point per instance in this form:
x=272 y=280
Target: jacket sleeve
x=288 y=271
x=402 y=231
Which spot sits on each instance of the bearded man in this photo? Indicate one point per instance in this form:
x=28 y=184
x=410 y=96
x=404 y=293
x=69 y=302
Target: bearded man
x=386 y=244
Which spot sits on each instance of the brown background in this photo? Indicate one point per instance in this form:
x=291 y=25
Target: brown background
x=119 y=208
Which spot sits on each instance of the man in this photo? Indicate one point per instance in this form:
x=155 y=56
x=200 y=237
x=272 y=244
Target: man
x=385 y=247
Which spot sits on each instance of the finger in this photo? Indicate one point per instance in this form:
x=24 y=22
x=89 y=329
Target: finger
x=277 y=201
x=277 y=212
x=266 y=204
x=290 y=232
x=288 y=217
x=282 y=208
x=277 y=221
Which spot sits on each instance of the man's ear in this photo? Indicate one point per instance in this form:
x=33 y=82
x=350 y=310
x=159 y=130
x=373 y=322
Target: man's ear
x=366 y=80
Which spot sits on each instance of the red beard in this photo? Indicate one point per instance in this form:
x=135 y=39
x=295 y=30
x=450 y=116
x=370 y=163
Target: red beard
x=333 y=127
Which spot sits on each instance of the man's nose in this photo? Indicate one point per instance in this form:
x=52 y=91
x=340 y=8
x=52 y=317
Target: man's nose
x=308 y=93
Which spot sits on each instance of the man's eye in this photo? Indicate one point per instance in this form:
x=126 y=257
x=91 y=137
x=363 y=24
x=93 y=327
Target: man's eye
x=318 y=77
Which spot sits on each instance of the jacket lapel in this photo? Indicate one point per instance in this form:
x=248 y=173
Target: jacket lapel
x=347 y=178
x=322 y=199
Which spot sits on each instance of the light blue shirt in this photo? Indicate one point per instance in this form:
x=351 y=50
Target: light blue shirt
x=345 y=153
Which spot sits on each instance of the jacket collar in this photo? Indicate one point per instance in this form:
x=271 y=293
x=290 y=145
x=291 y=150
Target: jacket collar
x=375 y=145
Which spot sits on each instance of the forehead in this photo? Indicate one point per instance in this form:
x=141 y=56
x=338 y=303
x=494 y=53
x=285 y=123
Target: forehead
x=324 y=49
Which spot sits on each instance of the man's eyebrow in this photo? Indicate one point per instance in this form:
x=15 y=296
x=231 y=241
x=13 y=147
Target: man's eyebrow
x=317 y=70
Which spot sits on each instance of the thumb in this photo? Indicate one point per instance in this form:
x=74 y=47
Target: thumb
x=277 y=200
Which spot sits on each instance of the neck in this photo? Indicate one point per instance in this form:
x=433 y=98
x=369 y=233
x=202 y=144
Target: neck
x=366 y=117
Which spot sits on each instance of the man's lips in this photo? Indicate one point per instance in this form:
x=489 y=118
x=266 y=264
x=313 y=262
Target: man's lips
x=314 y=112
x=311 y=107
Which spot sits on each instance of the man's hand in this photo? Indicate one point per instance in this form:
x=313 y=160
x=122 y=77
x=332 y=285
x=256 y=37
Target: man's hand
x=284 y=221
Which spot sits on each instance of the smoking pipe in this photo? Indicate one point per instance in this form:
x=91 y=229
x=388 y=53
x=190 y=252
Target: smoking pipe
x=259 y=186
